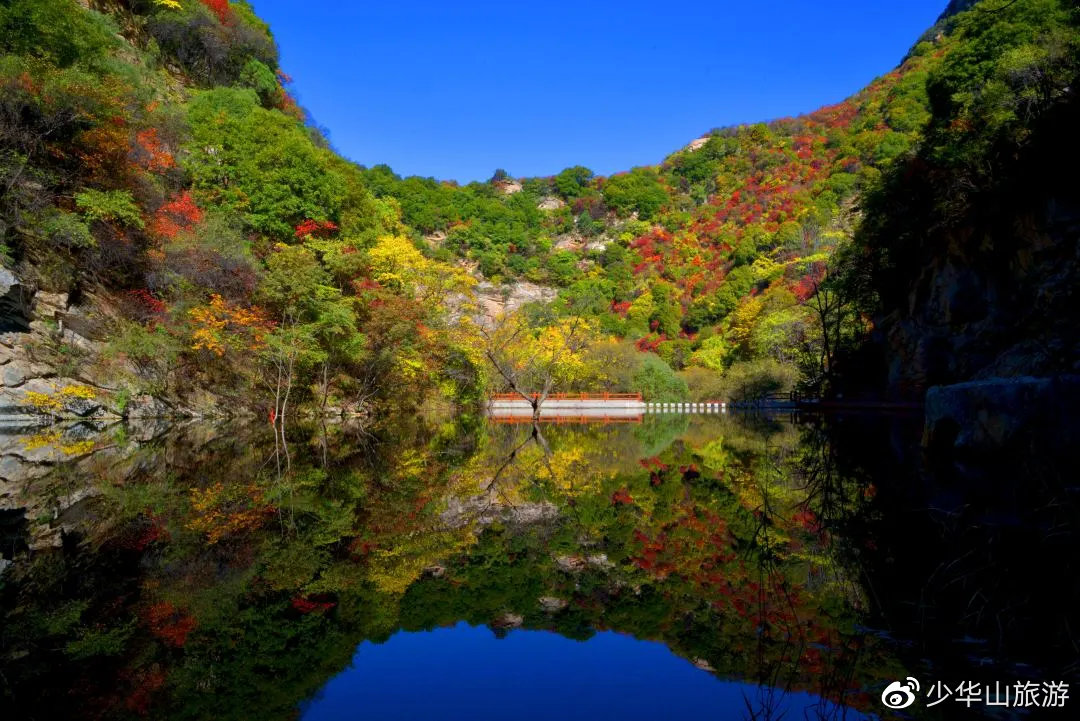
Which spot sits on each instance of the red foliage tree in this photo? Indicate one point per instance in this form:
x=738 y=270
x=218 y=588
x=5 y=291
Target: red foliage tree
x=310 y=604
x=221 y=9
x=169 y=624
x=180 y=213
x=316 y=229
x=150 y=152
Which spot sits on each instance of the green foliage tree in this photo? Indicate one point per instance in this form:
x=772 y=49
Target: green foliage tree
x=638 y=191
x=260 y=163
x=572 y=182
x=657 y=381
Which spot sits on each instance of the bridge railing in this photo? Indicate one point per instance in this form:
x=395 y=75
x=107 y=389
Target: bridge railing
x=563 y=420
x=569 y=397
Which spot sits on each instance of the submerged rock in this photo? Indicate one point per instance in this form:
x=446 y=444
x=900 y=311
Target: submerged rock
x=550 y=604
x=1003 y=413
x=570 y=564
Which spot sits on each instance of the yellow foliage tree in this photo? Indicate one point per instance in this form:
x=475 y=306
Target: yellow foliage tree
x=397 y=264
x=219 y=325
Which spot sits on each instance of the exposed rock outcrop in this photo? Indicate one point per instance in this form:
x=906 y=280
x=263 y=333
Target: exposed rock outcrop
x=550 y=203
x=52 y=364
x=697 y=143
x=494 y=301
x=550 y=604
x=487 y=509
x=508 y=186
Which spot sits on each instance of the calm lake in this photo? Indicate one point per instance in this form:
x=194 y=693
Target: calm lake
x=691 y=566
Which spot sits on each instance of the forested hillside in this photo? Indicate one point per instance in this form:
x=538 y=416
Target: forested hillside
x=723 y=258
x=158 y=176
x=186 y=229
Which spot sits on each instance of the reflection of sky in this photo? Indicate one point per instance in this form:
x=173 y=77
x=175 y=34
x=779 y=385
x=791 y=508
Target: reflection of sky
x=466 y=672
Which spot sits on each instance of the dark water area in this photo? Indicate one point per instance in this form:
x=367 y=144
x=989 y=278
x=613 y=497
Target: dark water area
x=685 y=567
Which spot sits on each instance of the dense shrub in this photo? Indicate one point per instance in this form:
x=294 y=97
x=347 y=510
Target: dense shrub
x=209 y=51
x=749 y=381
x=657 y=381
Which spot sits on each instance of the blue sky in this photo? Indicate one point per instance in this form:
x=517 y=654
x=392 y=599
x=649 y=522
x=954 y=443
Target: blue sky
x=455 y=90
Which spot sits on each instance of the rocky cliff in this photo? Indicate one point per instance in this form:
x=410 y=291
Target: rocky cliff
x=970 y=247
x=55 y=365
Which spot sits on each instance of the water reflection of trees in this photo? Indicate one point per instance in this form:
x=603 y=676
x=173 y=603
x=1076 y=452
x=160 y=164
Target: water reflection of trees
x=203 y=577
x=792 y=601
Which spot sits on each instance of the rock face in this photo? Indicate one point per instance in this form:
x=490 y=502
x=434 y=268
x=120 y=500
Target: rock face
x=508 y=186
x=550 y=203
x=494 y=301
x=697 y=143
x=979 y=274
x=964 y=321
x=41 y=332
x=487 y=509
x=550 y=604
x=570 y=241
x=14 y=304
x=995 y=414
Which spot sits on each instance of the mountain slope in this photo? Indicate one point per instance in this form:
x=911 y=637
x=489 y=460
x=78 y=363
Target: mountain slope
x=176 y=227
x=184 y=229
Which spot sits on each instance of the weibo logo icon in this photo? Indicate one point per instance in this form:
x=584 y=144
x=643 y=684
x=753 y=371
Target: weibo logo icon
x=900 y=695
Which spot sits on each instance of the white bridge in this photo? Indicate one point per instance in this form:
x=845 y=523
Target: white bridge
x=590 y=408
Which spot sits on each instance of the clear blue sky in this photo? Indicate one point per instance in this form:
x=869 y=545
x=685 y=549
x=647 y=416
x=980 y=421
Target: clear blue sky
x=456 y=89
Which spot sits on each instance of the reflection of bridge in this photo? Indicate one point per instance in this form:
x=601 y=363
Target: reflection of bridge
x=590 y=408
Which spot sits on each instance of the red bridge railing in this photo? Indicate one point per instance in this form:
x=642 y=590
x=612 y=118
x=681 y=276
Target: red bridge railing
x=570 y=397
x=562 y=420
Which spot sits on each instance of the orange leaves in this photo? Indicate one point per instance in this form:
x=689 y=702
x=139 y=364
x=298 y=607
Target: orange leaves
x=221 y=510
x=219 y=325
x=180 y=213
x=103 y=152
x=169 y=624
x=150 y=152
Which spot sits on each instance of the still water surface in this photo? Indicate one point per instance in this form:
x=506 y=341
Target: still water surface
x=685 y=567
x=467 y=672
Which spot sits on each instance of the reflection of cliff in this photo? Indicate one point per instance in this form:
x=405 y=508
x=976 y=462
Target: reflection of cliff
x=53 y=475
x=964 y=561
